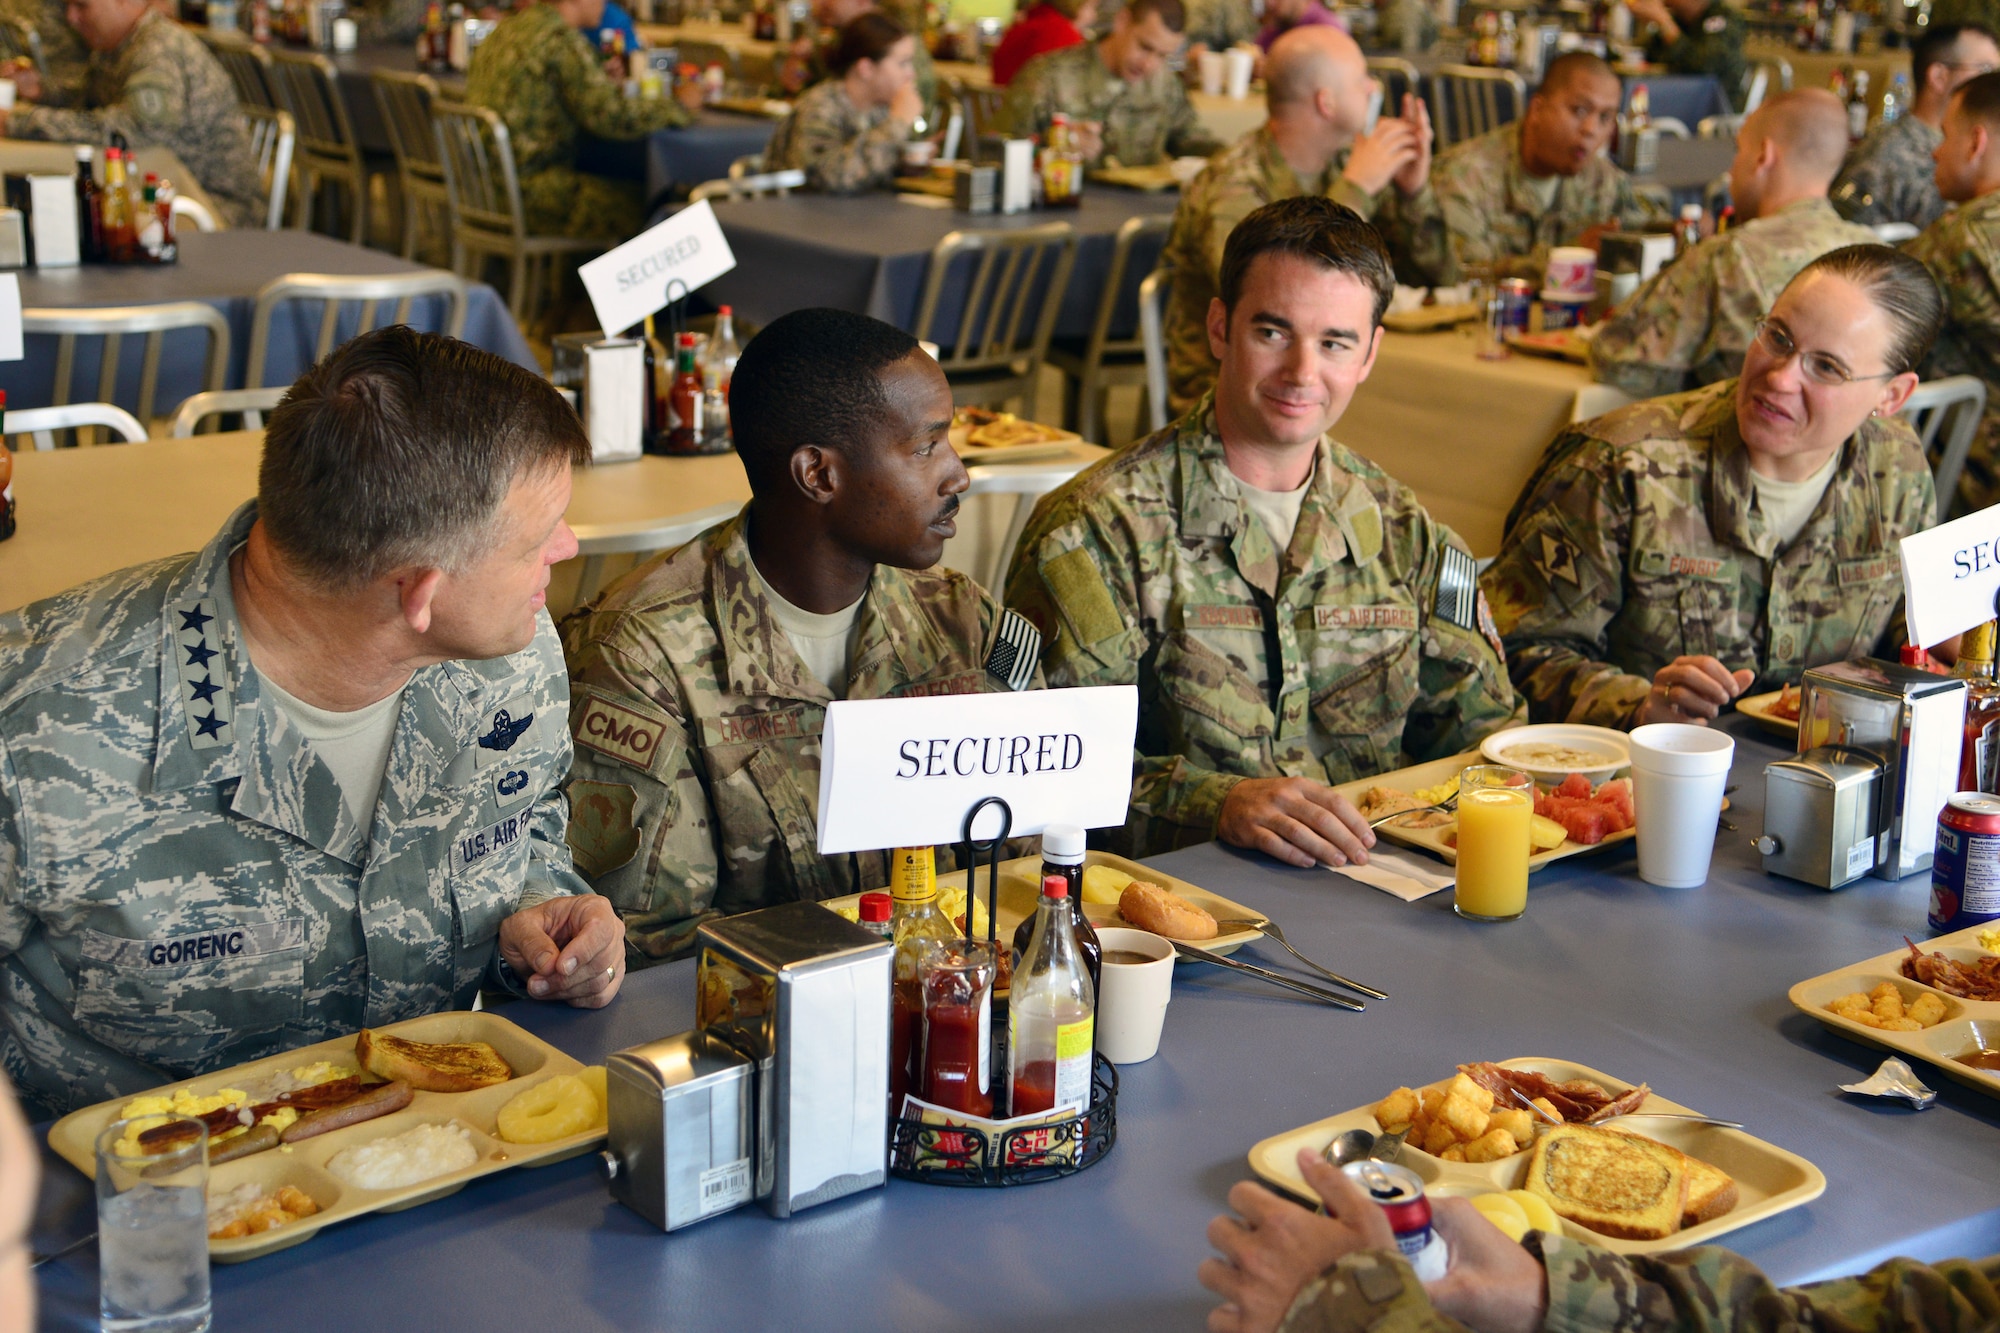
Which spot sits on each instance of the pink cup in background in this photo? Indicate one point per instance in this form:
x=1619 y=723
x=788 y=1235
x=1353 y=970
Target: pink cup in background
x=1572 y=268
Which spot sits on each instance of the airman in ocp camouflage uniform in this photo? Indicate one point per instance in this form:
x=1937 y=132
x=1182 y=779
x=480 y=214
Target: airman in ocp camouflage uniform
x=695 y=788
x=1891 y=177
x=64 y=56
x=1692 y=322
x=1710 y=42
x=1144 y=122
x=179 y=872
x=1962 y=251
x=1331 y=660
x=816 y=70
x=841 y=148
x=545 y=80
x=1704 y=1289
x=1214 y=24
x=1638 y=540
x=159 y=88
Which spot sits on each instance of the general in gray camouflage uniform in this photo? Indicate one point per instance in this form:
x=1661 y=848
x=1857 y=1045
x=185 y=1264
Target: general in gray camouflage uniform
x=1692 y=322
x=1145 y=121
x=546 y=81
x=1891 y=177
x=1329 y=660
x=1639 y=539
x=159 y=87
x=841 y=148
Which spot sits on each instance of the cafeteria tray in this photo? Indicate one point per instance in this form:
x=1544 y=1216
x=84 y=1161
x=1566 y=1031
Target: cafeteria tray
x=1021 y=885
x=931 y=182
x=1968 y=1025
x=303 y=1164
x=1062 y=442
x=1432 y=840
x=1561 y=344
x=1429 y=318
x=1154 y=179
x=1769 y=1180
x=770 y=108
x=1760 y=708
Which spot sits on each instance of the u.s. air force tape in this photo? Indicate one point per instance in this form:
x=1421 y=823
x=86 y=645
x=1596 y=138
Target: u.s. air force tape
x=1016 y=651
x=1458 y=589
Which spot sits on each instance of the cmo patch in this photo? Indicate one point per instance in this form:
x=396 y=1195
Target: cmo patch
x=620 y=733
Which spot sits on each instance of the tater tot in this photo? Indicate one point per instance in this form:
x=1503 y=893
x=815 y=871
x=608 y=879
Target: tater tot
x=1467 y=1121
x=1548 y=1107
x=1464 y=1087
x=1865 y=1019
x=1884 y=988
x=1518 y=1124
x=1851 y=1001
x=1430 y=1099
x=1901 y=1025
x=1928 y=1010
x=1439 y=1138
x=1888 y=1006
x=1491 y=1146
x=1455 y=1153
x=1396 y=1110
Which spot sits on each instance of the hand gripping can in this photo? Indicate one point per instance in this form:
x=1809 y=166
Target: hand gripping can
x=1399 y=1192
x=1965 y=873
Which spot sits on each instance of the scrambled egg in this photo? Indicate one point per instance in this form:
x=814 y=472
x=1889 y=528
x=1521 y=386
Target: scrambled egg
x=950 y=901
x=1438 y=794
x=183 y=1102
x=320 y=1071
x=1989 y=940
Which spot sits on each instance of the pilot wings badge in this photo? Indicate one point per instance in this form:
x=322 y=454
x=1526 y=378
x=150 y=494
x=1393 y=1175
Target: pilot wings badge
x=505 y=731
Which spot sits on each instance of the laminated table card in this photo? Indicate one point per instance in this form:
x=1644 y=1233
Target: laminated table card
x=635 y=280
x=904 y=772
x=1951 y=574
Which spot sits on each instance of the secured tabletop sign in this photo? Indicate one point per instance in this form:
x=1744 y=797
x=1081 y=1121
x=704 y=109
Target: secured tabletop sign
x=1951 y=575
x=904 y=772
x=631 y=282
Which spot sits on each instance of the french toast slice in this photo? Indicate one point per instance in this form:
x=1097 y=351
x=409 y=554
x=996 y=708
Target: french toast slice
x=458 y=1066
x=1711 y=1193
x=1615 y=1184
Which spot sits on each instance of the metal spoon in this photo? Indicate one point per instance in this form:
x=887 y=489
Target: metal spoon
x=1350 y=1146
x=1271 y=928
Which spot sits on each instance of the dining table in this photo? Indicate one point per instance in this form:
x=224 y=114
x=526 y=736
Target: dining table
x=1682 y=989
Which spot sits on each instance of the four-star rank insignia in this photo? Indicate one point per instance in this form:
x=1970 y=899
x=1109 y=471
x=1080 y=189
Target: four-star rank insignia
x=206 y=695
x=1558 y=560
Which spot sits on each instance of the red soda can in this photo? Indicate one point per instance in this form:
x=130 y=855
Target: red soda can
x=1965 y=872
x=1399 y=1192
x=1516 y=296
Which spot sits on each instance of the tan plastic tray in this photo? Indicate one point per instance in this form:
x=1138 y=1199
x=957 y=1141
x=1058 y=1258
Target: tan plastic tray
x=1757 y=707
x=1968 y=1025
x=1150 y=179
x=1769 y=1180
x=303 y=1165
x=1020 y=886
x=1430 y=318
x=1432 y=839
x=1062 y=443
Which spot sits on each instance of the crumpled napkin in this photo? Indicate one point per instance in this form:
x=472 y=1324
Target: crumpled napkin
x=1407 y=875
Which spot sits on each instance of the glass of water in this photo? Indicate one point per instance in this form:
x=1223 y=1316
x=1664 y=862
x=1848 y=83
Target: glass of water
x=152 y=1225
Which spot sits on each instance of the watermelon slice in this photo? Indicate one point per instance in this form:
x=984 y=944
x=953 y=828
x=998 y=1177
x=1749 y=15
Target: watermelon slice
x=1576 y=786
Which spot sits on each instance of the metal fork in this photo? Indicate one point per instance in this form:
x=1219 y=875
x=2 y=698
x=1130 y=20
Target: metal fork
x=1449 y=804
x=1272 y=929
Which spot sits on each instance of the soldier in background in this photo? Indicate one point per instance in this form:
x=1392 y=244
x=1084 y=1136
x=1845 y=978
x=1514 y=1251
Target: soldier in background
x=64 y=56
x=1290 y=614
x=154 y=82
x=810 y=59
x=542 y=75
x=701 y=679
x=1317 y=89
x=1670 y=555
x=847 y=134
x=1506 y=197
x=1890 y=175
x=309 y=779
x=1217 y=25
x=1287 y=1269
x=1962 y=251
x=1125 y=105
x=1697 y=37
x=1691 y=323
x=1046 y=25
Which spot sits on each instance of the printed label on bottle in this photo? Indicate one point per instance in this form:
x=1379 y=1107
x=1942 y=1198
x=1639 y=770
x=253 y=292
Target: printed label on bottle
x=913 y=877
x=1073 y=1043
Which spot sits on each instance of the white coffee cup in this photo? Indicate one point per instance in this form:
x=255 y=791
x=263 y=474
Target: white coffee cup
x=1132 y=997
x=1240 y=65
x=1678 y=773
x=6 y=94
x=1572 y=268
x=1214 y=69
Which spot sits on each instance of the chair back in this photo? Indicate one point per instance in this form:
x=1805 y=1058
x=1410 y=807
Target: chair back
x=1471 y=99
x=984 y=108
x=42 y=423
x=308 y=86
x=406 y=100
x=1031 y=483
x=1594 y=400
x=735 y=187
x=185 y=206
x=750 y=164
x=1894 y=233
x=1153 y=294
x=1113 y=310
x=482 y=189
x=248 y=65
x=340 y=291
x=1007 y=306
x=1720 y=127
x=1399 y=78
x=113 y=324
x=200 y=407
x=1672 y=127
x=1755 y=87
x=273 y=135
x=1959 y=401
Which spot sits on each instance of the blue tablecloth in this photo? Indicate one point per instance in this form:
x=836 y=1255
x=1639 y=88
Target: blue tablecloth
x=1688 y=98
x=225 y=269
x=1684 y=989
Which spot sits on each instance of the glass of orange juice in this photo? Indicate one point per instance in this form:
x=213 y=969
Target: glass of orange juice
x=1494 y=807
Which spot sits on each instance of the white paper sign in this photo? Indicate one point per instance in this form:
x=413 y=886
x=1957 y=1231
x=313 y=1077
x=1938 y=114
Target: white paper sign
x=1950 y=576
x=903 y=772
x=630 y=283
x=10 y=317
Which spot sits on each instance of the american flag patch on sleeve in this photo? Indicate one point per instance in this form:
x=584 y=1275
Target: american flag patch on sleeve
x=1016 y=652
x=1458 y=589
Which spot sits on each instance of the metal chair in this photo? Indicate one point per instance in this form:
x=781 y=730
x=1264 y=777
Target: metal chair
x=194 y=211
x=273 y=134
x=994 y=352
x=595 y=541
x=1594 y=400
x=1720 y=127
x=406 y=101
x=733 y=187
x=1961 y=399
x=750 y=164
x=1755 y=87
x=1399 y=79
x=339 y=291
x=248 y=65
x=1894 y=233
x=1030 y=483
x=985 y=111
x=1472 y=100
x=483 y=194
x=1091 y=367
x=251 y=404
x=1153 y=337
x=1673 y=127
x=308 y=86
x=42 y=423
x=113 y=324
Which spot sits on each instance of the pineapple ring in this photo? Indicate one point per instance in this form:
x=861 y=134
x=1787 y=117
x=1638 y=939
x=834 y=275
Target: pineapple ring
x=553 y=1109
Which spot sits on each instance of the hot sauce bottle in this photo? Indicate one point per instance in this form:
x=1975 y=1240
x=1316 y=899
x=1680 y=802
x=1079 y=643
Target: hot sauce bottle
x=913 y=888
x=684 y=400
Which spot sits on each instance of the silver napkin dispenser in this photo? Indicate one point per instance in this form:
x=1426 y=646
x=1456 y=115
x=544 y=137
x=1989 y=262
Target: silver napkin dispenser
x=804 y=994
x=682 y=1140
x=1822 y=816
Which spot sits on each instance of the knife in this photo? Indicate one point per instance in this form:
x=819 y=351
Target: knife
x=1388 y=1147
x=1276 y=979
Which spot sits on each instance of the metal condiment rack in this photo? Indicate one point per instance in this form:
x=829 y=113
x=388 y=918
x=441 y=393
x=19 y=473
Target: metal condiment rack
x=951 y=1155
